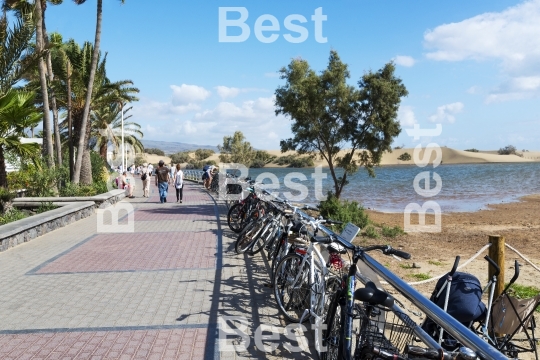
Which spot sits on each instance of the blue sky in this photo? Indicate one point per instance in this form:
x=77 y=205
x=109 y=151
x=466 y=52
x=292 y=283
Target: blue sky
x=472 y=66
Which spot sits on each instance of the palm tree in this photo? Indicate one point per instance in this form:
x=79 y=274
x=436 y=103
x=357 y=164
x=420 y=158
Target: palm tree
x=17 y=113
x=72 y=68
x=86 y=112
x=107 y=128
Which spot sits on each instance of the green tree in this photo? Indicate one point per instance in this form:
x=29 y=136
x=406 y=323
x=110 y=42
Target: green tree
x=17 y=113
x=329 y=116
x=236 y=149
x=201 y=154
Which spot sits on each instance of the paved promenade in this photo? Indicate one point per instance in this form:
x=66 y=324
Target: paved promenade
x=158 y=292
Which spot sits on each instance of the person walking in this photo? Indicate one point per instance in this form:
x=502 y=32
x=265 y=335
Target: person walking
x=145 y=177
x=179 y=183
x=162 y=181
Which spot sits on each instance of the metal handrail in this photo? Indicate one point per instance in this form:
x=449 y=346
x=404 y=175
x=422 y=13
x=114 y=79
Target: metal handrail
x=462 y=334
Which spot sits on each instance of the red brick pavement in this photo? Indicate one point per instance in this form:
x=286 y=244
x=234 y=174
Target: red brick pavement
x=180 y=212
x=136 y=344
x=139 y=251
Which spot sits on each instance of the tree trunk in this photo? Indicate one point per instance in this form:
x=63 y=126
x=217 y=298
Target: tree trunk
x=103 y=150
x=86 y=166
x=3 y=173
x=56 y=128
x=81 y=148
x=70 y=124
x=43 y=80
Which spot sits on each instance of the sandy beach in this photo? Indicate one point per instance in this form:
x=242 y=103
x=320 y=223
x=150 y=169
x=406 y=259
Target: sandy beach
x=464 y=234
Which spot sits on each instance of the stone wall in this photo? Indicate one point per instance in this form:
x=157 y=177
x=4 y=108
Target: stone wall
x=71 y=209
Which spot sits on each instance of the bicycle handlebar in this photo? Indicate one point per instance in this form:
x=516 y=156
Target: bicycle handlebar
x=494 y=264
x=454 y=268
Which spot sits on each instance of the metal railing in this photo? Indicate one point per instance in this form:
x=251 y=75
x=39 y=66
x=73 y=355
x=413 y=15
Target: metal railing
x=193 y=175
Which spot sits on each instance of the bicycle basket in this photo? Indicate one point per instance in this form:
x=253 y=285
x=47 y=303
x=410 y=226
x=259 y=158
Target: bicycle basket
x=384 y=329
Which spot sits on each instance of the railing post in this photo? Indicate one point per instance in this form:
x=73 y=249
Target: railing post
x=496 y=253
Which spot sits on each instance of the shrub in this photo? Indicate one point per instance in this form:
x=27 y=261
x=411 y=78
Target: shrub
x=405 y=157
x=201 y=154
x=139 y=160
x=12 y=215
x=180 y=157
x=295 y=161
x=6 y=197
x=472 y=150
x=399 y=147
x=199 y=164
x=45 y=206
x=100 y=170
x=345 y=211
x=154 y=151
x=507 y=150
x=258 y=164
x=371 y=232
x=392 y=231
x=421 y=276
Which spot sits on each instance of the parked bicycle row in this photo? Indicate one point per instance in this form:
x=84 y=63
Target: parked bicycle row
x=313 y=276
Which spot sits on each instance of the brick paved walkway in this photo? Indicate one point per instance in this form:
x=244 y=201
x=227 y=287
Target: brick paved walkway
x=157 y=293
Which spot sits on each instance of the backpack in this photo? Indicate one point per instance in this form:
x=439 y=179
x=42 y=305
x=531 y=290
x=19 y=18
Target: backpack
x=143 y=177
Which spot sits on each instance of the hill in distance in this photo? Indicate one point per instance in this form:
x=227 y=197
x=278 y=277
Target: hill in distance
x=174 y=147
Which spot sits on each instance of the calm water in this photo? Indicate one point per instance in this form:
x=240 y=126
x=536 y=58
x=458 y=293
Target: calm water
x=464 y=187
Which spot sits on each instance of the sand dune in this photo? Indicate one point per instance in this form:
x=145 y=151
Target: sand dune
x=449 y=156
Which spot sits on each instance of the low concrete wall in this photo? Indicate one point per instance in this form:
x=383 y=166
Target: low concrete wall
x=24 y=230
x=71 y=209
x=101 y=201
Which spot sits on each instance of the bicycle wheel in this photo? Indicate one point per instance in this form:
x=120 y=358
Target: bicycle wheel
x=291 y=287
x=264 y=236
x=279 y=253
x=332 y=332
x=236 y=217
x=250 y=234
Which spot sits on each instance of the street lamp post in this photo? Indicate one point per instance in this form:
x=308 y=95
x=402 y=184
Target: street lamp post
x=123 y=150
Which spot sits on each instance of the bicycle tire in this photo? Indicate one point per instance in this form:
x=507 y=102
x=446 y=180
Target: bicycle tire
x=236 y=217
x=279 y=254
x=262 y=240
x=248 y=236
x=332 y=336
x=292 y=301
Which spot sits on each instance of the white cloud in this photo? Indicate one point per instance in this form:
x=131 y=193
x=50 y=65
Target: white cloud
x=188 y=94
x=445 y=113
x=511 y=37
x=474 y=90
x=402 y=60
x=272 y=74
x=406 y=116
x=227 y=92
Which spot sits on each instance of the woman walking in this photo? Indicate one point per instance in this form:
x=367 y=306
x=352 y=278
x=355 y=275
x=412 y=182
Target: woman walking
x=145 y=177
x=179 y=183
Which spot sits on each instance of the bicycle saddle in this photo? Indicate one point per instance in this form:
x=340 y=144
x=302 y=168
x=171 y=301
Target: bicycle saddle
x=373 y=296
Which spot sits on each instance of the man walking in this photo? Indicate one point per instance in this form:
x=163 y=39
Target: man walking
x=162 y=181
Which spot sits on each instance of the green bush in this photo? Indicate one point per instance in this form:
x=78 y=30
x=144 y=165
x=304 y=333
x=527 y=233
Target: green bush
x=405 y=157
x=257 y=164
x=295 y=161
x=10 y=216
x=45 y=206
x=100 y=170
x=392 y=231
x=345 y=211
x=70 y=189
x=180 y=157
x=154 y=151
x=201 y=154
x=472 y=150
x=371 y=232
